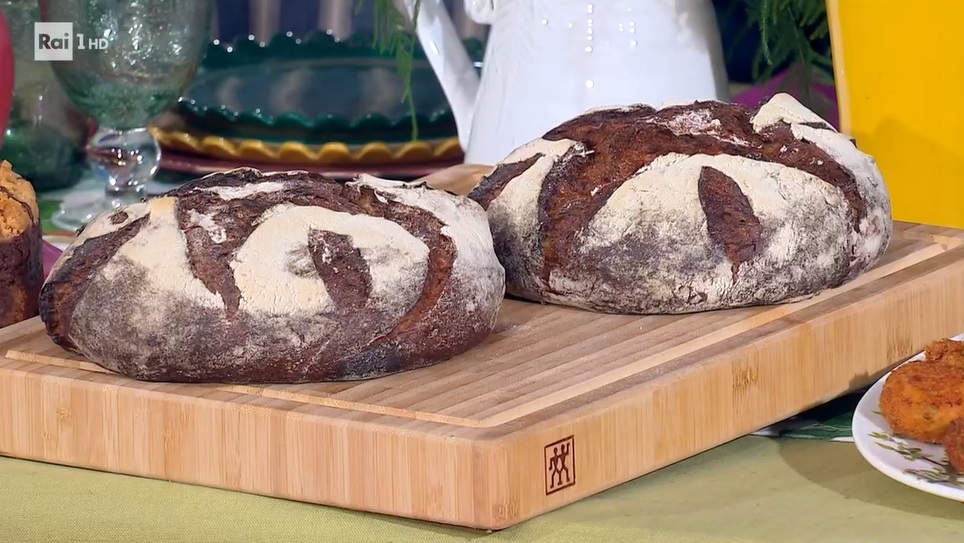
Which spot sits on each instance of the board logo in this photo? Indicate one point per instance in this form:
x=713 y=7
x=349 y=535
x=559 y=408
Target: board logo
x=560 y=464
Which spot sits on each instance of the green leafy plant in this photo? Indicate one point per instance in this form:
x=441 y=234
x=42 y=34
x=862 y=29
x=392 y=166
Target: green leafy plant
x=390 y=37
x=788 y=31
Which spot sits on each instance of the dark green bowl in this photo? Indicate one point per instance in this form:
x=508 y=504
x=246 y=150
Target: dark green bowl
x=315 y=90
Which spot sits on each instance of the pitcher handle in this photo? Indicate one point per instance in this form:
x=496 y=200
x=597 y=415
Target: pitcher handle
x=6 y=74
x=449 y=60
x=481 y=11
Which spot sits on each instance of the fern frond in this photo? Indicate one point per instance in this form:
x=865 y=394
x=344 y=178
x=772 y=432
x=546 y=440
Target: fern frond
x=390 y=37
x=788 y=31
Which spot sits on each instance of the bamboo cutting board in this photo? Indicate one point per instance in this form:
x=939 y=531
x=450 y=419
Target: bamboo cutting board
x=556 y=405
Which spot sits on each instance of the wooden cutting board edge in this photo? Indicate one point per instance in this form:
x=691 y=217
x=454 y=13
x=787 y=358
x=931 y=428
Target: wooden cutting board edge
x=505 y=467
x=488 y=478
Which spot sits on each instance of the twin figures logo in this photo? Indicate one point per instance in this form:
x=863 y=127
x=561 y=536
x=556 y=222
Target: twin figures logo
x=57 y=42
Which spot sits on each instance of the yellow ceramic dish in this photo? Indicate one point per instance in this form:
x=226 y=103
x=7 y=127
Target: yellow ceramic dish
x=292 y=152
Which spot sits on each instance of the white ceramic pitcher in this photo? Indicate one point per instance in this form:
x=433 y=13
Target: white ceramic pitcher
x=547 y=61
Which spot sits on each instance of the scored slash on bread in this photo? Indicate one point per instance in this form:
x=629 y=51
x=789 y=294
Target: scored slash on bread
x=687 y=208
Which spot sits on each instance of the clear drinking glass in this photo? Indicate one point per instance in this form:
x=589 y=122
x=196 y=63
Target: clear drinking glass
x=132 y=59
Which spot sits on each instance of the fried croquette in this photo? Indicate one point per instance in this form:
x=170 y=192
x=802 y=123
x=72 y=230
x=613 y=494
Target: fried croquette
x=946 y=351
x=954 y=444
x=920 y=399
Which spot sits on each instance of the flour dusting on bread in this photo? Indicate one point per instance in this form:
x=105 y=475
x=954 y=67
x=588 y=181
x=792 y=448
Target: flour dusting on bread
x=686 y=208
x=288 y=277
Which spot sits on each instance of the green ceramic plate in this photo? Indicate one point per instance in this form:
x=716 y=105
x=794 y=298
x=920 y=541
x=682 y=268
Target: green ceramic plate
x=314 y=90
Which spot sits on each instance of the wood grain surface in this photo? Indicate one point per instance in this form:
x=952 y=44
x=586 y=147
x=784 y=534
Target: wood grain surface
x=556 y=405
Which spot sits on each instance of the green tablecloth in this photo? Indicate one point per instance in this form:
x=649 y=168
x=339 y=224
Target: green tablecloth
x=754 y=490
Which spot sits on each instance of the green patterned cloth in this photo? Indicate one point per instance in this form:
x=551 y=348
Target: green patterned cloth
x=830 y=422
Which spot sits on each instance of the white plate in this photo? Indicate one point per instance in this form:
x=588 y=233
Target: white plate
x=920 y=465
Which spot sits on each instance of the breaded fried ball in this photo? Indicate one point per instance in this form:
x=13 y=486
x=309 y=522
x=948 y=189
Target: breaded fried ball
x=920 y=399
x=954 y=444
x=946 y=351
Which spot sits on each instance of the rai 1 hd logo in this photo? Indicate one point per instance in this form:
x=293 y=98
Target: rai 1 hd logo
x=57 y=42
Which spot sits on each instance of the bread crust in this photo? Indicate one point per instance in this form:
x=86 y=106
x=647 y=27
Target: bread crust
x=21 y=249
x=687 y=208
x=244 y=277
x=18 y=203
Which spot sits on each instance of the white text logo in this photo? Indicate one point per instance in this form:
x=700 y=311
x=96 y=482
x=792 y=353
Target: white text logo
x=56 y=42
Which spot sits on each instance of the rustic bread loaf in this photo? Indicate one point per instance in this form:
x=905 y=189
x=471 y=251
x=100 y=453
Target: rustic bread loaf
x=21 y=249
x=686 y=208
x=283 y=278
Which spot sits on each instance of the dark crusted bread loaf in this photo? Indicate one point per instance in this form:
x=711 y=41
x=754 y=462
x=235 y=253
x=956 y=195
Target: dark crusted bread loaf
x=686 y=208
x=282 y=278
x=21 y=250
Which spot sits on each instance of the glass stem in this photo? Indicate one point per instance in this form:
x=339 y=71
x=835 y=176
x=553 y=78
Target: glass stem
x=126 y=161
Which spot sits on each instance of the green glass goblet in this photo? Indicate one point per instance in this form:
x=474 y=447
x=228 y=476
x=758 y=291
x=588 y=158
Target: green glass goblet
x=132 y=59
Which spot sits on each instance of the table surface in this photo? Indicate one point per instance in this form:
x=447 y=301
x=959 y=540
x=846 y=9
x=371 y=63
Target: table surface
x=754 y=489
